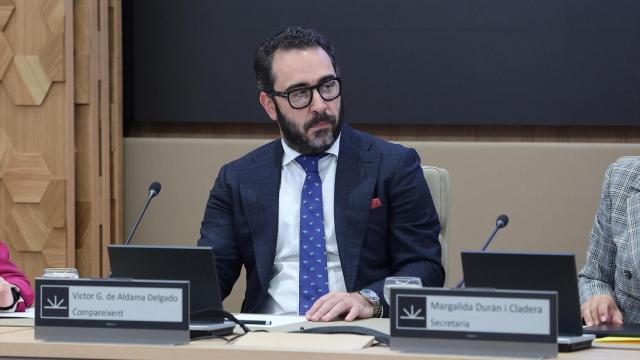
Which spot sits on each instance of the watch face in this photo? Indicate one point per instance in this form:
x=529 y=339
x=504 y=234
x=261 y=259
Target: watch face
x=366 y=293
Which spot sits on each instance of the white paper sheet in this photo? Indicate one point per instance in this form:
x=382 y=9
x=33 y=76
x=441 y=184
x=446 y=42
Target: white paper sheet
x=270 y=320
x=29 y=313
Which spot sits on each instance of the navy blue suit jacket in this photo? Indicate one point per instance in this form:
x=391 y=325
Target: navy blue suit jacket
x=399 y=238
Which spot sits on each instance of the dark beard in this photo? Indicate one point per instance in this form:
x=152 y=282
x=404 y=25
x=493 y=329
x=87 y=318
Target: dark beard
x=298 y=141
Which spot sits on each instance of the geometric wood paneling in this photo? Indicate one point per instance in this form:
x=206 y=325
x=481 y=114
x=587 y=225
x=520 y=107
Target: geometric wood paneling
x=82 y=27
x=97 y=214
x=5 y=148
x=52 y=151
x=36 y=134
x=26 y=80
x=50 y=204
x=6 y=9
x=28 y=229
x=87 y=138
x=26 y=177
x=55 y=251
x=85 y=262
x=53 y=15
x=5 y=55
x=52 y=58
x=116 y=132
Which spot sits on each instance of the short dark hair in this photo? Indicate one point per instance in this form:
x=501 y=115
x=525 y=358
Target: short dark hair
x=294 y=37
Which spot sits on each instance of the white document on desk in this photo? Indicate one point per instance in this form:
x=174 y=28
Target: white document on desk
x=28 y=313
x=270 y=320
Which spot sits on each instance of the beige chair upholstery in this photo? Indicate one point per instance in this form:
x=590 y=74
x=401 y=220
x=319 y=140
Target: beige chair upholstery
x=627 y=157
x=440 y=187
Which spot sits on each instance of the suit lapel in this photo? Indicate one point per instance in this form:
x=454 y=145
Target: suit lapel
x=355 y=181
x=260 y=191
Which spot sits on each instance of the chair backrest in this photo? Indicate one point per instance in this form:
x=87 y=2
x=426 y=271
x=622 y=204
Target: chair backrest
x=440 y=187
x=628 y=158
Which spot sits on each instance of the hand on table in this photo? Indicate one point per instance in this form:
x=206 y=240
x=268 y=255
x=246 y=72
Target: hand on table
x=335 y=304
x=601 y=309
x=6 y=296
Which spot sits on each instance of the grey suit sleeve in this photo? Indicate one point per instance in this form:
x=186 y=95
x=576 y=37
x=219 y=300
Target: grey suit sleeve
x=217 y=231
x=598 y=274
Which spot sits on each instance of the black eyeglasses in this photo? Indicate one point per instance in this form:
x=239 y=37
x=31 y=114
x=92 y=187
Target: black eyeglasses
x=300 y=98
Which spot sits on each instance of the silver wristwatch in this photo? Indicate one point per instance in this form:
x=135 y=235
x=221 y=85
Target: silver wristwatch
x=374 y=300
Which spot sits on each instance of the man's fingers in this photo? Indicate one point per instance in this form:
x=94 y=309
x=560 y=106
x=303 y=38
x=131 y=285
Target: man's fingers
x=338 y=309
x=326 y=303
x=316 y=305
x=353 y=314
x=337 y=304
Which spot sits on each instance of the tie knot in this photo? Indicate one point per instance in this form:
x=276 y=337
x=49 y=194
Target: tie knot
x=310 y=162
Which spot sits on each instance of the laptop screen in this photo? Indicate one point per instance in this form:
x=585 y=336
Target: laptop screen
x=529 y=271
x=196 y=264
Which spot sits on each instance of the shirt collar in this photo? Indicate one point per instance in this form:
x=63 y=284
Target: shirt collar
x=290 y=154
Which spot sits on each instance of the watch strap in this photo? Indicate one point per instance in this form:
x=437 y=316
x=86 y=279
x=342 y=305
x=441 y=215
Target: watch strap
x=374 y=300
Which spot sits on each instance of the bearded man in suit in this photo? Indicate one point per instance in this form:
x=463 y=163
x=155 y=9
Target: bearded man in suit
x=320 y=217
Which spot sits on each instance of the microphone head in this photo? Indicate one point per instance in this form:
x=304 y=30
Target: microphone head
x=502 y=221
x=154 y=189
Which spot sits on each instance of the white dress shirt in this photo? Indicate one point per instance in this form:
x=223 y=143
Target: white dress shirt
x=283 y=290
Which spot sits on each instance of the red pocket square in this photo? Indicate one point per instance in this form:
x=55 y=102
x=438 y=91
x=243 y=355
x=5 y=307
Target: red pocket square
x=375 y=203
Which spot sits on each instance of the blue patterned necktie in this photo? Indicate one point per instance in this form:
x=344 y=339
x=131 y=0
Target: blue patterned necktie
x=313 y=281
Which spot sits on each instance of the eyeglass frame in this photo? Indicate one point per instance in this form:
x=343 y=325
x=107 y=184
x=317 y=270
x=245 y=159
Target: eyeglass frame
x=285 y=94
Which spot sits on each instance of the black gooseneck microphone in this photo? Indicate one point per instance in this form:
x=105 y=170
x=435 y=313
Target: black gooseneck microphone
x=501 y=222
x=154 y=190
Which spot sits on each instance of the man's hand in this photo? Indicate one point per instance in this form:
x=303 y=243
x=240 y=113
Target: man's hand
x=6 y=296
x=601 y=309
x=335 y=304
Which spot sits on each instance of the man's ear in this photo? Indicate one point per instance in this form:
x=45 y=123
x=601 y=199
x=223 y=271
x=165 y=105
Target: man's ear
x=268 y=105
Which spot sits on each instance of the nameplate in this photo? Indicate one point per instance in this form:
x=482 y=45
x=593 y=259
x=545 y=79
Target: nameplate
x=114 y=310
x=474 y=321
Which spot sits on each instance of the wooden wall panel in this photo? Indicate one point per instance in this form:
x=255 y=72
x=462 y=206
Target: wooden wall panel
x=267 y=130
x=36 y=128
x=116 y=133
x=6 y=10
x=87 y=137
x=93 y=136
x=56 y=133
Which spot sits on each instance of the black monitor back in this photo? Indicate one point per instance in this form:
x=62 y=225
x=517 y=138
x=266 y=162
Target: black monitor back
x=529 y=271
x=196 y=264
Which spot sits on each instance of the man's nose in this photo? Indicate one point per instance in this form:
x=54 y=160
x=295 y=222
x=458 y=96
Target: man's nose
x=318 y=104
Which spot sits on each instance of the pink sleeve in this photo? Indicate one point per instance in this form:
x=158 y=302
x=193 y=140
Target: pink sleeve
x=14 y=276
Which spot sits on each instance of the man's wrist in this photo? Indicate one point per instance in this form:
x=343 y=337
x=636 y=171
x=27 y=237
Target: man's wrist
x=374 y=300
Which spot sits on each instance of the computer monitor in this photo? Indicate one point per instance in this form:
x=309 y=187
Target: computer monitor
x=196 y=264
x=529 y=271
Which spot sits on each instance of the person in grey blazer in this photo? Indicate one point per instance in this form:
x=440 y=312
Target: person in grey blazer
x=320 y=217
x=609 y=282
